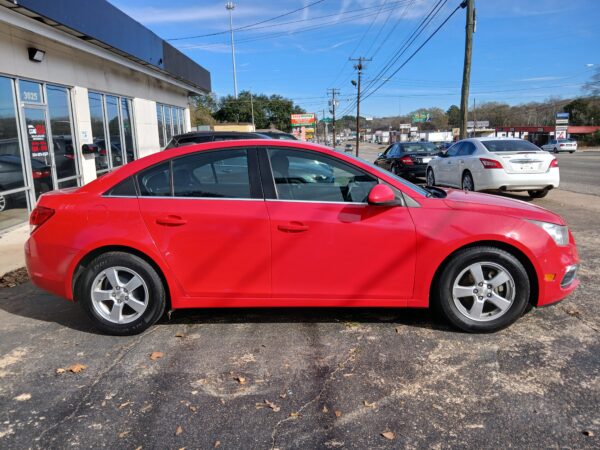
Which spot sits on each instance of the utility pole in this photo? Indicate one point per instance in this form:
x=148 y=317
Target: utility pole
x=252 y=109
x=464 y=95
x=324 y=129
x=474 y=120
x=333 y=103
x=359 y=68
x=230 y=7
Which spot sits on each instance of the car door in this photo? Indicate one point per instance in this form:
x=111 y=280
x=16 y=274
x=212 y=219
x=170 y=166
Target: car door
x=207 y=216
x=383 y=161
x=328 y=243
x=464 y=161
x=446 y=166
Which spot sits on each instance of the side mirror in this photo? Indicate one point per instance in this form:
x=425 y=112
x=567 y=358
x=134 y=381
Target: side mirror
x=442 y=154
x=379 y=155
x=382 y=195
x=89 y=149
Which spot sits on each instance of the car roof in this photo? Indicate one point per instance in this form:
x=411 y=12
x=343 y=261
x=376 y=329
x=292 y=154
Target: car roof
x=215 y=133
x=493 y=138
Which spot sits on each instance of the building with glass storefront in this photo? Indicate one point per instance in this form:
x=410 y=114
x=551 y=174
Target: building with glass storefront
x=84 y=88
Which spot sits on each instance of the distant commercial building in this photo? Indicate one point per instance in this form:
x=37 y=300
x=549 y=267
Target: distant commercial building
x=84 y=88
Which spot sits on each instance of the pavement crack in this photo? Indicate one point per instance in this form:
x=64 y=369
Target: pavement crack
x=577 y=316
x=295 y=415
x=124 y=350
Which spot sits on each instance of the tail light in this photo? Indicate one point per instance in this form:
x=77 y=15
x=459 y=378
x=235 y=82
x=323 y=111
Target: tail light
x=562 y=145
x=406 y=160
x=490 y=163
x=554 y=163
x=37 y=174
x=39 y=216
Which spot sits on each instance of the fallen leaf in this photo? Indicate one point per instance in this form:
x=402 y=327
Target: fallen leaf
x=179 y=430
x=147 y=407
x=284 y=395
x=325 y=409
x=369 y=405
x=76 y=368
x=122 y=434
x=241 y=380
x=23 y=397
x=398 y=329
x=588 y=433
x=123 y=405
x=180 y=334
x=156 y=355
x=139 y=448
x=389 y=435
x=193 y=408
x=294 y=415
x=271 y=405
x=217 y=444
x=61 y=370
x=338 y=414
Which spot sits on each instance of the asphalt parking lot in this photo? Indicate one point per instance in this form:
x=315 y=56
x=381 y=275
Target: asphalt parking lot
x=312 y=378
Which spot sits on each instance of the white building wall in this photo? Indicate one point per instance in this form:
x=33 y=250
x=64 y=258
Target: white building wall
x=145 y=127
x=82 y=125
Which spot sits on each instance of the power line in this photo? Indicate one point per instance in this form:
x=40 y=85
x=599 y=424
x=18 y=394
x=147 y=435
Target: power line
x=248 y=26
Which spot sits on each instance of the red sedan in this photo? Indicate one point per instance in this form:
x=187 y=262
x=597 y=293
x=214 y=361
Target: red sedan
x=285 y=224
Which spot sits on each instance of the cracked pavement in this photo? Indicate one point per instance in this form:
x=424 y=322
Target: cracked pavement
x=307 y=378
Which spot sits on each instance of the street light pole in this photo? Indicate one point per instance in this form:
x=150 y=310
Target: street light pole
x=359 y=68
x=230 y=7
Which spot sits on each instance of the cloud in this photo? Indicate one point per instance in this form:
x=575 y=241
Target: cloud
x=323 y=49
x=545 y=78
x=213 y=15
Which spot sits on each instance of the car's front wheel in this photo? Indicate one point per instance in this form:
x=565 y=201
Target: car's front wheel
x=430 y=177
x=3 y=203
x=482 y=289
x=121 y=293
x=467 y=182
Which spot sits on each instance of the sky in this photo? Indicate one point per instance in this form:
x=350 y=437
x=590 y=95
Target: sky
x=523 y=50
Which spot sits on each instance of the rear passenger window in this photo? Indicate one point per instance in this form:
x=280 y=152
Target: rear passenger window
x=125 y=188
x=219 y=174
x=155 y=181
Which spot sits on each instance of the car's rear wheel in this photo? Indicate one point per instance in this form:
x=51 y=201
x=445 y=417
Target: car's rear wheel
x=121 y=293
x=539 y=193
x=3 y=203
x=467 y=182
x=571 y=151
x=482 y=289
x=430 y=177
x=555 y=150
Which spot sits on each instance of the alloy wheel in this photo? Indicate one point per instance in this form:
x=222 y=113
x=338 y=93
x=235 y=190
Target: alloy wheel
x=430 y=178
x=467 y=183
x=2 y=203
x=119 y=295
x=483 y=291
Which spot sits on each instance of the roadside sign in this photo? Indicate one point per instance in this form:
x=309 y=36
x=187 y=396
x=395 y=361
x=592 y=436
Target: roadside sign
x=326 y=120
x=421 y=117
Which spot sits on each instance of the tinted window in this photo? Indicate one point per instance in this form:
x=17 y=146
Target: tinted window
x=453 y=151
x=220 y=174
x=125 y=188
x=466 y=149
x=419 y=147
x=510 y=145
x=309 y=176
x=155 y=181
x=189 y=140
x=395 y=151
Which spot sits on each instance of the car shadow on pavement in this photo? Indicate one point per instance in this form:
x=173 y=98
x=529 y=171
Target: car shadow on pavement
x=31 y=303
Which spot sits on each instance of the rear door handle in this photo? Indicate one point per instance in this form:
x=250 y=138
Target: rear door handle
x=293 y=227
x=170 y=220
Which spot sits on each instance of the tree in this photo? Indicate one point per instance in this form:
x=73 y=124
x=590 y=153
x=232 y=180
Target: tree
x=269 y=112
x=593 y=86
x=203 y=108
x=583 y=111
x=453 y=114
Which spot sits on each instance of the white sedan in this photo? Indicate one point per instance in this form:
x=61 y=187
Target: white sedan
x=560 y=145
x=505 y=164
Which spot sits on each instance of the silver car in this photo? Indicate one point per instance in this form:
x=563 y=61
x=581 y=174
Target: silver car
x=561 y=145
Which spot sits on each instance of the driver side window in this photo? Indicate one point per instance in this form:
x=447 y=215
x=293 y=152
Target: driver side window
x=310 y=176
x=455 y=149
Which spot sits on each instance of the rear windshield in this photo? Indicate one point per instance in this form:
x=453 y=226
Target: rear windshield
x=516 y=145
x=420 y=147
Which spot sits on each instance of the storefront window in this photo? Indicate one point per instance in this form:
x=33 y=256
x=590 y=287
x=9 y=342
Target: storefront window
x=62 y=138
x=127 y=132
x=170 y=122
x=30 y=91
x=13 y=203
x=161 y=131
x=98 y=134
x=114 y=130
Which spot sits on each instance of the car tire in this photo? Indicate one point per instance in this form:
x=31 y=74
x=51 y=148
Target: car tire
x=115 y=309
x=486 y=310
x=555 y=150
x=539 y=193
x=3 y=203
x=571 y=151
x=467 y=183
x=430 y=177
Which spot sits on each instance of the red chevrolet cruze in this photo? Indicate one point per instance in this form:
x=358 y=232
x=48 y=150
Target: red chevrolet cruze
x=285 y=224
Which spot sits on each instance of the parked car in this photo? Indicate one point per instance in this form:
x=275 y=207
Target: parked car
x=561 y=145
x=407 y=159
x=278 y=135
x=11 y=177
x=200 y=137
x=348 y=147
x=505 y=164
x=364 y=237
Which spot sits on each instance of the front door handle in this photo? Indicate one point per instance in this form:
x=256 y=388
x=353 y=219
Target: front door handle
x=170 y=220
x=293 y=227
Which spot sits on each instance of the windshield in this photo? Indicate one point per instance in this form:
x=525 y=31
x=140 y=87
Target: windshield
x=406 y=183
x=510 y=145
x=420 y=147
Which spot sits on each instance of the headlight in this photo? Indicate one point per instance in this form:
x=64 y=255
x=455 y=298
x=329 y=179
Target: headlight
x=559 y=233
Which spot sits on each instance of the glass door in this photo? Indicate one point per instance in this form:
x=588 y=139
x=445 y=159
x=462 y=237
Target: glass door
x=39 y=151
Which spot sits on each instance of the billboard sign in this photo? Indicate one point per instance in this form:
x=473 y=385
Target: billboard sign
x=421 y=117
x=478 y=124
x=303 y=120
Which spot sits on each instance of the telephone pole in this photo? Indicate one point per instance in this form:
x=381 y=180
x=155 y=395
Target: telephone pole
x=359 y=67
x=464 y=95
x=252 y=109
x=324 y=129
x=333 y=104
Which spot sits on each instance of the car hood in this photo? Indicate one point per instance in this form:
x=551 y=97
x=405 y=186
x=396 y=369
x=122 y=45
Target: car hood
x=495 y=204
